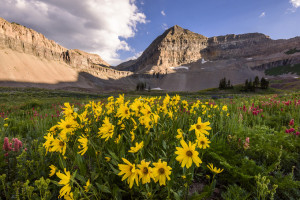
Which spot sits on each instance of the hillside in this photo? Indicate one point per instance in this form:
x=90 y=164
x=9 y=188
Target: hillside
x=28 y=58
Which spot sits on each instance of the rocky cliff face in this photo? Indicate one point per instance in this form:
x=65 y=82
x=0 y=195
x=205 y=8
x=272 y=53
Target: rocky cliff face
x=22 y=39
x=178 y=46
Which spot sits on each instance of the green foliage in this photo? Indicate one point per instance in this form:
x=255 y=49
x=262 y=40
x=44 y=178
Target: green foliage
x=280 y=70
x=292 y=51
x=270 y=155
x=235 y=192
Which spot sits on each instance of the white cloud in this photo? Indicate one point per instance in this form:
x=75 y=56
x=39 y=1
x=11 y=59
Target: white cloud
x=164 y=26
x=163 y=13
x=295 y=3
x=95 y=26
x=135 y=56
x=263 y=14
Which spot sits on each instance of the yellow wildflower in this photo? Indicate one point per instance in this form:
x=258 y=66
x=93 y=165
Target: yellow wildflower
x=87 y=186
x=180 y=134
x=213 y=169
x=123 y=111
x=129 y=171
x=132 y=136
x=117 y=140
x=224 y=108
x=49 y=139
x=106 y=130
x=200 y=128
x=53 y=169
x=145 y=172
x=59 y=145
x=68 y=110
x=203 y=142
x=161 y=172
x=68 y=125
x=137 y=147
x=107 y=159
x=84 y=144
x=187 y=155
x=5 y=125
x=65 y=180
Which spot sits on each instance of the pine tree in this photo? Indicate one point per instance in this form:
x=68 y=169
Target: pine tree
x=256 y=82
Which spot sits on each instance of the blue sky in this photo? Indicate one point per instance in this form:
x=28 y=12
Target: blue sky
x=215 y=17
x=121 y=29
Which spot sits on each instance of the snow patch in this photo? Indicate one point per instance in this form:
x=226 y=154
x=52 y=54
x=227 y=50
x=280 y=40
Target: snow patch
x=180 y=67
x=203 y=61
x=156 y=88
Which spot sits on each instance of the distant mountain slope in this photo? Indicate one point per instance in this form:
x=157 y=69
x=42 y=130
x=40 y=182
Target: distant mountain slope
x=178 y=46
x=28 y=56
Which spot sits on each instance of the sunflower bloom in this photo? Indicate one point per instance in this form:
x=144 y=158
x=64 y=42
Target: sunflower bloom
x=203 y=142
x=161 y=172
x=145 y=172
x=187 y=155
x=106 y=130
x=200 y=128
x=123 y=111
x=83 y=144
x=213 y=169
x=68 y=110
x=137 y=147
x=65 y=180
x=59 y=145
x=69 y=125
x=53 y=169
x=129 y=171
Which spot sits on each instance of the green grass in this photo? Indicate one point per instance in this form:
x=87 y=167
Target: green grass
x=280 y=70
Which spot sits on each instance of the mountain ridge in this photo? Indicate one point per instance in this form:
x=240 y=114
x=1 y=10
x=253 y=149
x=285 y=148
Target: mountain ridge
x=178 y=46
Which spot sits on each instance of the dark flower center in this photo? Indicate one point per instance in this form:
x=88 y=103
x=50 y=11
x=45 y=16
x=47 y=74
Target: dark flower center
x=198 y=126
x=68 y=126
x=130 y=168
x=126 y=112
x=202 y=142
x=161 y=171
x=189 y=153
x=61 y=144
x=145 y=170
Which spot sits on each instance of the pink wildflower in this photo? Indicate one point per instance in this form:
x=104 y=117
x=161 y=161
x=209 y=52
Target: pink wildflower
x=6 y=145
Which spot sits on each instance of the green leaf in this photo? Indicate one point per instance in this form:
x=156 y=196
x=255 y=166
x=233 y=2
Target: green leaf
x=81 y=178
x=103 y=188
x=113 y=155
x=114 y=169
x=94 y=175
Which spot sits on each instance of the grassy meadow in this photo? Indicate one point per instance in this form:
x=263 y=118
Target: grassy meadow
x=67 y=145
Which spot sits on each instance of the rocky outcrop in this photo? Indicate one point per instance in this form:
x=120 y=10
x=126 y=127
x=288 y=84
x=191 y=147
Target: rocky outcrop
x=22 y=39
x=178 y=46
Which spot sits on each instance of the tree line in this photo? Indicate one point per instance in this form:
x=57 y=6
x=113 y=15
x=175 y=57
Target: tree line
x=249 y=84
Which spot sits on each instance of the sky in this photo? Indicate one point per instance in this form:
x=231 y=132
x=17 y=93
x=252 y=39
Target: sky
x=119 y=30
